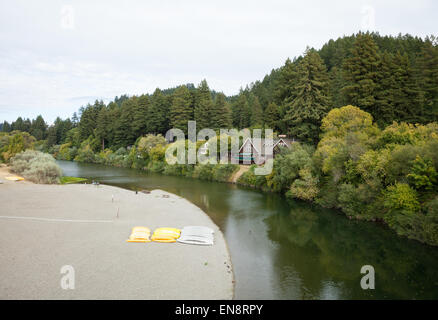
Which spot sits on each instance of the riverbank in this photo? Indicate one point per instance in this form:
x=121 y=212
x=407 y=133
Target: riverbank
x=45 y=227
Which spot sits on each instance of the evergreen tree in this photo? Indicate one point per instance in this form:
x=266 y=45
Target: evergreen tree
x=272 y=116
x=221 y=115
x=103 y=126
x=360 y=72
x=6 y=127
x=406 y=96
x=38 y=128
x=75 y=119
x=27 y=125
x=51 y=136
x=203 y=106
x=141 y=110
x=256 y=113
x=284 y=91
x=181 y=110
x=125 y=134
x=88 y=121
x=18 y=124
x=427 y=71
x=158 y=121
x=241 y=112
x=311 y=104
x=385 y=94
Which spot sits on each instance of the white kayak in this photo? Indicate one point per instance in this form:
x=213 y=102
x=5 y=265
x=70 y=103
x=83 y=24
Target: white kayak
x=197 y=235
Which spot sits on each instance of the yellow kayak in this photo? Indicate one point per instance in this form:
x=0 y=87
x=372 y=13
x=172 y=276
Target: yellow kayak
x=140 y=234
x=166 y=235
x=14 y=178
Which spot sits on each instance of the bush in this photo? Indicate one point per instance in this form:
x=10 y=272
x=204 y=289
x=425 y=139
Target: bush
x=287 y=166
x=37 y=167
x=13 y=143
x=401 y=197
x=306 y=187
x=85 y=154
x=203 y=172
x=223 y=172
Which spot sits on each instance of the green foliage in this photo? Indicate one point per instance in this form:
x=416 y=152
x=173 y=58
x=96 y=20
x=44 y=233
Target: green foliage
x=223 y=172
x=311 y=102
x=305 y=187
x=14 y=142
x=249 y=178
x=221 y=114
x=181 y=110
x=401 y=197
x=203 y=107
x=272 y=116
x=36 y=166
x=287 y=167
x=203 y=172
x=361 y=73
x=423 y=174
x=147 y=143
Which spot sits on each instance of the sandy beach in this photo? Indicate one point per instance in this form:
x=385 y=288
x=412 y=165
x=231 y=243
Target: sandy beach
x=46 y=227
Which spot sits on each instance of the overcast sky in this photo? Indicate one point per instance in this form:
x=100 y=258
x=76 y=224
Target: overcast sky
x=56 y=56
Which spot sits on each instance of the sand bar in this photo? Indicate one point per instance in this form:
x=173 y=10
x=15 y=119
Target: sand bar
x=45 y=227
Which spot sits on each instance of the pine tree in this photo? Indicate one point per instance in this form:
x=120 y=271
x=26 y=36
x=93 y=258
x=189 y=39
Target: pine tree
x=181 y=110
x=88 y=121
x=158 y=116
x=311 y=104
x=272 y=116
x=203 y=106
x=125 y=135
x=241 y=112
x=427 y=71
x=6 y=127
x=103 y=126
x=385 y=93
x=221 y=115
x=407 y=96
x=284 y=91
x=256 y=113
x=38 y=128
x=18 y=124
x=141 y=110
x=360 y=72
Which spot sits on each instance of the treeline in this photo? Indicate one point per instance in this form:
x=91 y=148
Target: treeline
x=392 y=78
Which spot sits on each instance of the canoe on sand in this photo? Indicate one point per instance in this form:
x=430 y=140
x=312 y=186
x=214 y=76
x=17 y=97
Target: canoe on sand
x=14 y=178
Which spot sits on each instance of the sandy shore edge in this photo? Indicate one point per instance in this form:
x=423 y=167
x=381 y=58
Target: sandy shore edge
x=46 y=227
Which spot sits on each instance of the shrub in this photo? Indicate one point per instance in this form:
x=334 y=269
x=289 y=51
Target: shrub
x=14 y=143
x=401 y=197
x=37 y=167
x=424 y=175
x=85 y=154
x=287 y=166
x=223 y=172
x=203 y=172
x=306 y=187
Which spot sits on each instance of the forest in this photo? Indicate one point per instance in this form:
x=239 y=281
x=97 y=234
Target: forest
x=364 y=109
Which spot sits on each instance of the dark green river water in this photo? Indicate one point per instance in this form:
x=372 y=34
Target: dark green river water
x=283 y=249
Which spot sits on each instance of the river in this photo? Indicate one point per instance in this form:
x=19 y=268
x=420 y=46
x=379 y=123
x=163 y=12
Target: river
x=283 y=249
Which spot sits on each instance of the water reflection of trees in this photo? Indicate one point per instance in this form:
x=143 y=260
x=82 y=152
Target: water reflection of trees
x=322 y=248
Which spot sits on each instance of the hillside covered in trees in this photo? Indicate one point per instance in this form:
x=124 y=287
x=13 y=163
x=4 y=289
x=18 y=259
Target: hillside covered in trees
x=392 y=78
x=364 y=109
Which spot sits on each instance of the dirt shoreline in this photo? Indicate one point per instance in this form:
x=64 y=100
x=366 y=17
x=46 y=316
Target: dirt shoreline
x=46 y=227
